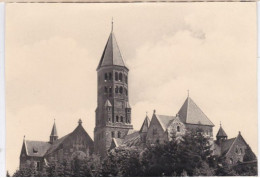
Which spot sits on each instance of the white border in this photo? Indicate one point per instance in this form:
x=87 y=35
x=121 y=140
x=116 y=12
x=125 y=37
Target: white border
x=2 y=90
x=258 y=76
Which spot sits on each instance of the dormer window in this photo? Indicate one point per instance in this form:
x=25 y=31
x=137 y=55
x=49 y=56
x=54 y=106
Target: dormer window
x=178 y=129
x=35 y=150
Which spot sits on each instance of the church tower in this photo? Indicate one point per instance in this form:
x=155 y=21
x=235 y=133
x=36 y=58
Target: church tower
x=113 y=112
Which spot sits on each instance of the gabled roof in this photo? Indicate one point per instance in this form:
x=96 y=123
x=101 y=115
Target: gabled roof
x=111 y=54
x=190 y=113
x=145 y=125
x=164 y=120
x=108 y=104
x=226 y=145
x=54 y=130
x=132 y=139
x=221 y=132
x=36 y=148
x=56 y=144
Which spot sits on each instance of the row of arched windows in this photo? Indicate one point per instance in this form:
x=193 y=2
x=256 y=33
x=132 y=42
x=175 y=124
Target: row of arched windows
x=113 y=135
x=121 y=90
x=119 y=76
x=118 y=119
x=118 y=89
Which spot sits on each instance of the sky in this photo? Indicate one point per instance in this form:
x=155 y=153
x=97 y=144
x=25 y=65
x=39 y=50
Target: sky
x=52 y=51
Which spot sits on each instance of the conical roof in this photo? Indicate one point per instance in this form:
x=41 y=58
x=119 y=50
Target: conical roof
x=111 y=54
x=54 y=130
x=145 y=125
x=221 y=132
x=190 y=113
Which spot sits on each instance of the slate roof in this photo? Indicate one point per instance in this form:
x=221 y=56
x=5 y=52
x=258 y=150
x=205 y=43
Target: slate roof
x=111 y=54
x=54 y=130
x=165 y=120
x=190 y=113
x=56 y=144
x=145 y=125
x=221 y=132
x=36 y=148
x=225 y=145
x=132 y=139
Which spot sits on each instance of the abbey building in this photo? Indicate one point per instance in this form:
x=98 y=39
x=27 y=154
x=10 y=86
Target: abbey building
x=113 y=120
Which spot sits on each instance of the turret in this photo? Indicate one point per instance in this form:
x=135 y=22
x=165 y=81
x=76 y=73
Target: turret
x=144 y=129
x=221 y=135
x=54 y=133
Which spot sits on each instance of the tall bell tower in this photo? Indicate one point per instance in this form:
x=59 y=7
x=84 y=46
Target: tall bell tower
x=113 y=112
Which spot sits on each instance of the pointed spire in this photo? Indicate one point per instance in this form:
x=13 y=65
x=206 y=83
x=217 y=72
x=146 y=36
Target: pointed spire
x=112 y=24
x=221 y=133
x=145 y=125
x=54 y=133
x=54 y=130
x=111 y=55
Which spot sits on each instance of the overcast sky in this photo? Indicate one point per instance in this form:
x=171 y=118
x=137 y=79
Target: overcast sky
x=52 y=51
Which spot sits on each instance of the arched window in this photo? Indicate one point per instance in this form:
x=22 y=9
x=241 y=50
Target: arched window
x=112 y=134
x=119 y=134
x=121 y=90
x=109 y=119
x=117 y=119
x=116 y=76
x=120 y=77
x=110 y=76
x=178 y=128
x=126 y=79
x=116 y=89
x=105 y=77
x=110 y=91
x=241 y=150
x=105 y=89
x=236 y=150
x=121 y=119
x=126 y=93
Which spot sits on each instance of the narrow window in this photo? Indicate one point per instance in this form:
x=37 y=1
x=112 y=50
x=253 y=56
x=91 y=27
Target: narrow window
x=121 y=119
x=110 y=91
x=112 y=134
x=119 y=134
x=116 y=89
x=178 y=128
x=116 y=76
x=110 y=76
x=105 y=89
x=38 y=165
x=120 y=77
x=113 y=120
x=126 y=93
x=105 y=77
x=117 y=119
x=121 y=90
x=241 y=150
x=126 y=79
x=109 y=119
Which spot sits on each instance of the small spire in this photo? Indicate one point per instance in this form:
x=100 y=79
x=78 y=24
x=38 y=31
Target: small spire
x=220 y=124
x=239 y=132
x=188 y=92
x=154 y=111
x=112 y=23
x=23 y=137
x=80 y=121
x=146 y=113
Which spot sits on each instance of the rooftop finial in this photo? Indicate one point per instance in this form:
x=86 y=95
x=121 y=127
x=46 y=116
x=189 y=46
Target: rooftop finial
x=112 y=24
x=80 y=121
x=154 y=111
x=146 y=113
x=220 y=124
x=188 y=92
